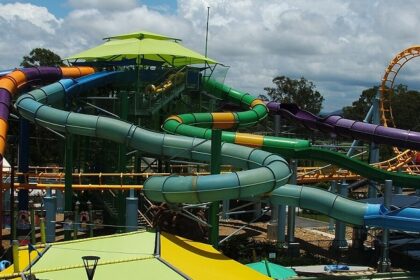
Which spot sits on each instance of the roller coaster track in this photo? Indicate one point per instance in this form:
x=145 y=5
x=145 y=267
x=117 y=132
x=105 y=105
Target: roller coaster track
x=308 y=175
x=405 y=158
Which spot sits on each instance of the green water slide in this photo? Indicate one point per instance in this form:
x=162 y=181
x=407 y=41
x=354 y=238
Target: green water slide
x=263 y=171
x=200 y=125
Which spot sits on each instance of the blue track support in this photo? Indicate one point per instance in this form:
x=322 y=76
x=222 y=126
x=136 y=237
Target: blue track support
x=333 y=189
x=340 y=241
x=384 y=263
x=374 y=148
x=23 y=162
x=280 y=210
x=291 y=213
x=60 y=201
x=367 y=118
x=131 y=204
x=281 y=224
x=50 y=215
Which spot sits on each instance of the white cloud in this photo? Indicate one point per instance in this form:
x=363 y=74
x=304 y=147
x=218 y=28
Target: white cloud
x=38 y=16
x=22 y=28
x=342 y=46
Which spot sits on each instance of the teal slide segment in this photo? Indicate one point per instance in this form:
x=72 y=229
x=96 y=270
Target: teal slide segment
x=266 y=171
x=346 y=210
x=327 y=203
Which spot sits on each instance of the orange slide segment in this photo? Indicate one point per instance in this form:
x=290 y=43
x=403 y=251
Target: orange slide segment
x=76 y=72
x=223 y=120
x=3 y=133
x=250 y=140
x=9 y=84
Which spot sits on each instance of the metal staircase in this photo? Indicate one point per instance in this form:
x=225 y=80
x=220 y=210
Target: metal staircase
x=163 y=99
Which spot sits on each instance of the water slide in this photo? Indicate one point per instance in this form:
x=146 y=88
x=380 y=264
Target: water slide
x=265 y=173
x=346 y=210
x=13 y=81
x=349 y=128
x=200 y=125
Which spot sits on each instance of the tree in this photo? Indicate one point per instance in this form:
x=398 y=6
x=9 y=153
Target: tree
x=42 y=152
x=41 y=57
x=301 y=91
x=360 y=107
x=405 y=108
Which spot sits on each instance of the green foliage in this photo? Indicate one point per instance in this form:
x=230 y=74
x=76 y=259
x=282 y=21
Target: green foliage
x=301 y=91
x=360 y=107
x=406 y=108
x=46 y=147
x=41 y=57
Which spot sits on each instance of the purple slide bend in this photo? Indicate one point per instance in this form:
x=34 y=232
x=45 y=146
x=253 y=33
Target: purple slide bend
x=349 y=128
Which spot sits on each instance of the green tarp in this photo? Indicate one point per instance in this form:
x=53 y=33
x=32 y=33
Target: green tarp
x=273 y=270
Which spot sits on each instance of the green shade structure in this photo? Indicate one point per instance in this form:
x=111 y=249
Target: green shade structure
x=143 y=46
x=272 y=270
x=136 y=255
x=142 y=35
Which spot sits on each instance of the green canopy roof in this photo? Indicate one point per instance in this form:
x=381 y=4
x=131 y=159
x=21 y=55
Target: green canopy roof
x=142 y=35
x=143 y=45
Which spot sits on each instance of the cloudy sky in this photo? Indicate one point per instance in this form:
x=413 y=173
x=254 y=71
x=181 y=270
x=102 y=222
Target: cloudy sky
x=342 y=46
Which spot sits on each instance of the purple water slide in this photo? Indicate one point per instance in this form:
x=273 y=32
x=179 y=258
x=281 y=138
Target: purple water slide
x=349 y=128
x=32 y=75
x=45 y=74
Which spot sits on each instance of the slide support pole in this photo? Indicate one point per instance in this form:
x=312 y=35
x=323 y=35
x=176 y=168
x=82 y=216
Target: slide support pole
x=216 y=144
x=340 y=241
x=384 y=263
x=50 y=214
x=131 y=212
x=293 y=246
x=68 y=180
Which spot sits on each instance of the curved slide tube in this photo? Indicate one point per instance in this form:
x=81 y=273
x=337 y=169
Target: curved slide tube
x=346 y=210
x=200 y=124
x=265 y=172
x=349 y=128
x=13 y=81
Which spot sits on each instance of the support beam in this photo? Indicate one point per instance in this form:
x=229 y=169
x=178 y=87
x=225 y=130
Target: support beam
x=333 y=189
x=50 y=214
x=373 y=147
x=23 y=162
x=340 y=241
x=384 y=263
x=131 y=210
x=68 y=179
x=122 y=158
x=216 y=144
x=293 y=246
x=281 y=225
